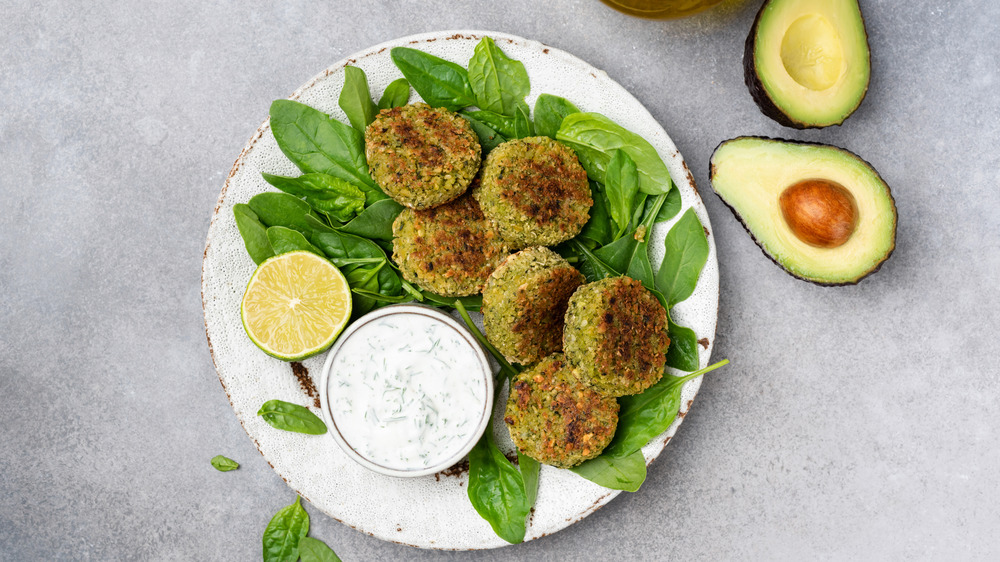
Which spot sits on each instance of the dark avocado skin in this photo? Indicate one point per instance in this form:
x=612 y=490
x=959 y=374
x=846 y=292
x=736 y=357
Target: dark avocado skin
x=760 y=95
x=895 y=222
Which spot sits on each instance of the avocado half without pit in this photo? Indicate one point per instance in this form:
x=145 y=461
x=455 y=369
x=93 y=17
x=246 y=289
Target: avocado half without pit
x=807 y=62
x=819 y=211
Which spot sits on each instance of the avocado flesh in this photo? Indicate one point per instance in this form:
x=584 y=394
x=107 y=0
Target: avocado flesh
x=806 y=62
x=751 y=173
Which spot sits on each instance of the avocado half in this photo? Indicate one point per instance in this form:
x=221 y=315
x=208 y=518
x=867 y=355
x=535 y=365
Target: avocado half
x=807 y=62
x=820 y=212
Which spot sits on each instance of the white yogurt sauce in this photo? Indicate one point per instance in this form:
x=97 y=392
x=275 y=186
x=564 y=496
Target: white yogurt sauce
x=406 y=391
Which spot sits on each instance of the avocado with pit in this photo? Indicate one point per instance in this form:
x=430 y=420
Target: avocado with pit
x=807 y=62
x=820 y=212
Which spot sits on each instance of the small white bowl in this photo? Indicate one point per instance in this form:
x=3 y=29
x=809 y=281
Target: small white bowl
x=485 y=408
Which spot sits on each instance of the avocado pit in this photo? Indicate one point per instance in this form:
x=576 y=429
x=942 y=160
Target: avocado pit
x=819 y=212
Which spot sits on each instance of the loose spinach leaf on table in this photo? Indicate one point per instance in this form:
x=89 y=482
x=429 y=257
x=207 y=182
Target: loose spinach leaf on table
x=282 y=209
x=439 y=82
x=224 y=464
x=375 y=221
x=396 y=94
x=594 y=137
x=641 y=417
x=498 y=82
x=617 y=473
x=314 y=550
x=315 y=142
x=621 y=185
x=253 y=232
x=285 y=240
x=497 y=490
x=489 y=138
x=683 y=351
x=284 y=533
x=549 y=114
x=326 y=194
x=685 y=254
x=356 y=99
x=291 y=417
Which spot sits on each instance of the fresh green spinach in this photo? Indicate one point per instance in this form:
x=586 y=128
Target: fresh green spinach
x=685 y=254
x=529 y=468
x=503 y=124
x=291 y=417
x=344 y=249
x=315 y=142
x=683 y=351
x=356 y=99
x=617 y=473
x=523 y=127
x=594 y=137
x=670 y=207
x=598 y=229
x=282 y=209
x=284 y=533
x=549 y=114
x=489 y=138
x=285 y=240
x=439 y=82
x=224 y=464
x=375 y=221
x=254 y=233
x=498 y=82
x=497 y=490
x=621 y=186
x=314 y=550
x=396 y=94
x=334 y=197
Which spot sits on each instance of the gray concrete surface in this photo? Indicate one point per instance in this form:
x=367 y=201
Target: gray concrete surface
x=857 y=422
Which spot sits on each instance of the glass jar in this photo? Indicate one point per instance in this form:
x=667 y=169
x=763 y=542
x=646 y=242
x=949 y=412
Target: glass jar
x=661 y=9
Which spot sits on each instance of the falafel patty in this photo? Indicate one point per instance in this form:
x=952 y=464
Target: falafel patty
x=422 y=156
x=556 y=419
x=616 y=336
x=524 y=304
x=449 y=250
x=536 y=191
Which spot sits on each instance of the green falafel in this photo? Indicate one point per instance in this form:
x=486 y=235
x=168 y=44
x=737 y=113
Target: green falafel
x=449 y=250
x=536 y=191
x=556 y=419
x=524 y=304
x=616 y=336
x=422 y=156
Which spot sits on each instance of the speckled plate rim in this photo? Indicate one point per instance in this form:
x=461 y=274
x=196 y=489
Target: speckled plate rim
x=680 y=173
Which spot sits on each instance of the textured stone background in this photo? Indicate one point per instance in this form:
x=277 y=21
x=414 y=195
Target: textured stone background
x=853 y=422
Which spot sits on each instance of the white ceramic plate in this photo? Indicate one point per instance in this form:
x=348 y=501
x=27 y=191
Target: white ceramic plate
x=432 y=511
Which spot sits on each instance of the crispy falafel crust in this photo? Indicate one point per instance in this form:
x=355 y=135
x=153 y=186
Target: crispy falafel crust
x=536 y=191
x=422 y=156
x=524 y=304
x=616 y=336
x=556 y=419
x=450 y=250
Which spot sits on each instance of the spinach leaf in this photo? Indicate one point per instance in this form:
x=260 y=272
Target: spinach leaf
x=593 y=267
x=345 y=249
x=529 y=468
x=284 y=532
x=642 y=417
x=224 y=464
x=670 y=207
x=500 y=123
x=631 y=253
x=375 y=221
x=282 y=209
x=683 y=351
x=291 y=417
x=499 y=82
x=253 y=232
x=371 y=279
x=549 y=114
x=489 y=138
x=598 y=228
x=316 y=143
x=356 y=99
x=594 y=137
x=523 y=127
x=331 y=196
x=396 y=94
x=617 y=473
x=285 y=240
x=471 y=303
x=313 y=550
x=496 y=490
x=439 y=82
x=685 y=254
x=621 y=186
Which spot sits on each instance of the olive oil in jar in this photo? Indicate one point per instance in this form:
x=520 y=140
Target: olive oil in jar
x=661 y=9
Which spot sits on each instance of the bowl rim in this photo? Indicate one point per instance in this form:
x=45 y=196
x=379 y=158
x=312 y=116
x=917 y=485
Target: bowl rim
x=434 y=314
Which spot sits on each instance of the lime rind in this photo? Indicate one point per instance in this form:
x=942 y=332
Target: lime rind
x=340 y=307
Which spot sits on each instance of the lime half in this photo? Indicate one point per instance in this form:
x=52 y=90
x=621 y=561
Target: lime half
x=295 y=305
